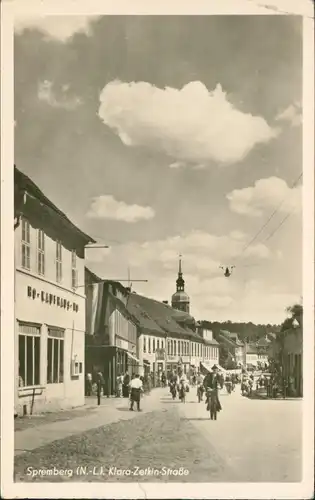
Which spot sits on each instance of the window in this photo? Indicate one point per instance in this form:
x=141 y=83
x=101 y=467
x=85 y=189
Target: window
x=158 y=344
x=58 y=261
x=153 y=345
x=74 y=271
x=172 y=348
x=40 y=252
x=169 y=347
x=55 y=356
x=29 y=355
x=144 y=344
x=26 y=245
x=149 y=345
x=162 y=344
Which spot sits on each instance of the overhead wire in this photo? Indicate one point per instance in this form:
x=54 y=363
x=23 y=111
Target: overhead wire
x=271 y=217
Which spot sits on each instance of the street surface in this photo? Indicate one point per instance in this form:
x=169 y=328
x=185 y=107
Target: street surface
x=252 y=441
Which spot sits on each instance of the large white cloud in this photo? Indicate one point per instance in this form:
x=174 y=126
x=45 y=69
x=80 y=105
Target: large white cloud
x=58 y=27
x=266 y=194
x=191 y=124
x=106 y=207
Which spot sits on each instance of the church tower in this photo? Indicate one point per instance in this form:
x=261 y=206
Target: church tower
x=180 y=299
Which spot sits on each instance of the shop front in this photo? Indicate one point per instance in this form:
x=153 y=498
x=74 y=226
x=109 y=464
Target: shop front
x=49 y=346
x=111 y=361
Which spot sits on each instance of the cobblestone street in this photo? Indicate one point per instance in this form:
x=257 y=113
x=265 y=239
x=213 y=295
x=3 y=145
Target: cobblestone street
x=252 y=440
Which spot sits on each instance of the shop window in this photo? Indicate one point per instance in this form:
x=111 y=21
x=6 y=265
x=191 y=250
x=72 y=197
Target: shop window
x=40 y=252
x=58 y=262
x=26 y=245
x=55 y=356
x=29 y=355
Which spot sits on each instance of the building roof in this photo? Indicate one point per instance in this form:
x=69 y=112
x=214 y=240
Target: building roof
x=231 y=337
x=144 y=320
x=24 y=183
x=263 y=342
x=148 y=310
x=211 y=342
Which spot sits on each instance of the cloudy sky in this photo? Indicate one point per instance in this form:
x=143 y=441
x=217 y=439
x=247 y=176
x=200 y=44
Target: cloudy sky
x=167 y=135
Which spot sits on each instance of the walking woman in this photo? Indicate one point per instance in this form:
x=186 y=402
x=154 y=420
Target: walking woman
x=136 y=387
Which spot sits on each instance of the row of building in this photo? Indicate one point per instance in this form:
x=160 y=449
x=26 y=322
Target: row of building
x=70 y=322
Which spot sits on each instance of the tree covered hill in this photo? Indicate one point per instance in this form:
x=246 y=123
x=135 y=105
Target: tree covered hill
x=246 y=331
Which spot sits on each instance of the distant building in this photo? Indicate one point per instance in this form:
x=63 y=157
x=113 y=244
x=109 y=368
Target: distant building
x=49 y=303
x=234 y=346
x=292 y=359
x=263 y=349
x=287 y=351
x=111 y=345
x=210 y=347
x=180 y=299
x=167 y=340
x=251 y=355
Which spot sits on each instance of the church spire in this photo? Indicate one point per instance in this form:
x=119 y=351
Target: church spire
x=180 y=282
x=180 y=299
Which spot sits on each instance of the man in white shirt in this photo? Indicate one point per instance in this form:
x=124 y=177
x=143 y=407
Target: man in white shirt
x=136 y=388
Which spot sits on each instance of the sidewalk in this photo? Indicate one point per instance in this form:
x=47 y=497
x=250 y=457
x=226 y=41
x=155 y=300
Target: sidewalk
x=112 y=410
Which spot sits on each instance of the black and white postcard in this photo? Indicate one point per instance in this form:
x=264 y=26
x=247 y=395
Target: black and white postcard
x=157 y=249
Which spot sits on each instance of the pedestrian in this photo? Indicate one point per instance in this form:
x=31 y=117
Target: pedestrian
x=88 y=384
x=119 y=385
x=200 y=386
x=212 y=381
x=125 y=387
x=136 y=387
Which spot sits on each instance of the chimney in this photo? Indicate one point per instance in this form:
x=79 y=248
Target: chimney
x=165 y=302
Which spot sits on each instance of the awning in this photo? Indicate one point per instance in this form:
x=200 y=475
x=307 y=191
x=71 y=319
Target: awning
x=209 y=366
x=131 y=356
x=221 y=369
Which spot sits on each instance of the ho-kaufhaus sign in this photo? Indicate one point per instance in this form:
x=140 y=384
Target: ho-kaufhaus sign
x=51 y=299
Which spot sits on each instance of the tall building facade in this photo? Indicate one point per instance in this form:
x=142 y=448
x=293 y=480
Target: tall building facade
x=49 y=303
x=180 y=299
